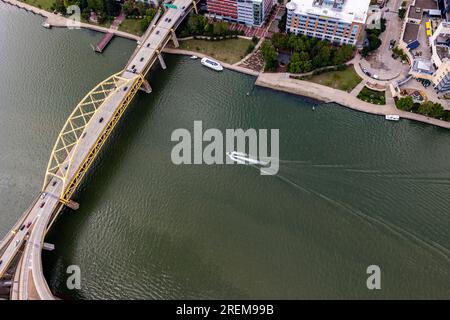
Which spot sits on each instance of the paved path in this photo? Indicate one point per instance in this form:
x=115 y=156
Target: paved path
x=55 y=20
x=358 y=88
x=282 y=82
x=201 y=55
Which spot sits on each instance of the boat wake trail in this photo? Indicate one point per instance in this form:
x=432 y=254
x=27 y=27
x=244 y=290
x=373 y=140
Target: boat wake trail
x=400 y=232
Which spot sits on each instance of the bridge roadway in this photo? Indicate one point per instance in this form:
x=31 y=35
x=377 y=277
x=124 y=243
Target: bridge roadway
x=23 y=245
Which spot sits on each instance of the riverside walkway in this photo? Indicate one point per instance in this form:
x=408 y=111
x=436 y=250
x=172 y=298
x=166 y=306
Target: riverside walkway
x=81 y=139
x=106 y=39
x=282 y=82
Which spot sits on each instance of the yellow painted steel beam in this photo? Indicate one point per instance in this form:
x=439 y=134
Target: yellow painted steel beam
x=93 y=152
x=71 y=134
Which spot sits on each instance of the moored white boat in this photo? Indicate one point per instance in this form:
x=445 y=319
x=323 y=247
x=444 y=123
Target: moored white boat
x=194 y=57
x=392 y=117
x=210 y=63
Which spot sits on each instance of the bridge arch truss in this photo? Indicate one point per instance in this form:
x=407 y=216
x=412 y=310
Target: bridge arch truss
x=69 y=138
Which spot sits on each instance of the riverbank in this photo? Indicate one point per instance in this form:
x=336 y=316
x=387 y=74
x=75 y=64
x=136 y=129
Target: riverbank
x=233 y=67
x=282 y=82
x=276 y=81
x=59 y=21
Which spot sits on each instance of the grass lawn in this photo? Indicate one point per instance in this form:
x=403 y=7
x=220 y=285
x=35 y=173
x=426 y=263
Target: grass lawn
x=41 y=4
x=131 y=26
x=229 y=50
x=372 y=96
x=345 y=80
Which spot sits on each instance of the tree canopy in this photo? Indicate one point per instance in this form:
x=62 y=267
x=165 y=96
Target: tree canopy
x=310 y=53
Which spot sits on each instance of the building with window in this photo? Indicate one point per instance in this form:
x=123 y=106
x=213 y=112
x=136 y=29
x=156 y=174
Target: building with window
x=440 y=45
x=339 y=21
x=248 y=12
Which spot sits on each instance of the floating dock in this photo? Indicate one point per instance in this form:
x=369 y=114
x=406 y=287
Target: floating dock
x=104 y=41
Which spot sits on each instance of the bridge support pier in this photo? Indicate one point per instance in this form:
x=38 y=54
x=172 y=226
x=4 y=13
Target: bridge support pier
x=72 y=204
x=174 y=39
x=146 y=87
x=161 y=61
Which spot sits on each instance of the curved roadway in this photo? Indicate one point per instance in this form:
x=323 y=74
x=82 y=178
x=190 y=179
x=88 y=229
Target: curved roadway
x=27 y=236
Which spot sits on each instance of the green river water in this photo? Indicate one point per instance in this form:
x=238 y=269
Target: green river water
x=353 y=190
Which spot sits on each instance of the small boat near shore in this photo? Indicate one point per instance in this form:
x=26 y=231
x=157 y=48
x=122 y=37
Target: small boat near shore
x=392 y=117
x=194 y=57
x=210 y=63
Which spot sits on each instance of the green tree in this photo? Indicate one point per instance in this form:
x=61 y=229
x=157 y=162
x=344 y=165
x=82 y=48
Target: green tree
x=343 y=54
x=270 y=56
x=112 y=8
x=280 y=41
x=58 y=5
x=296 y=63
x=128 y=7
x=405 y=103
x=431 y=109
x=220 y=28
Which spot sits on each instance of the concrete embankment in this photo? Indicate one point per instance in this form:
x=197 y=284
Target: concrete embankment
x=282 y=82
x=55 y=20
x=200 y=55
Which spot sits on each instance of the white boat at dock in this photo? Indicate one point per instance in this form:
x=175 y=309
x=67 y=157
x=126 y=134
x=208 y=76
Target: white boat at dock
x=210 y=63
x=194 y=57
x=392 y=117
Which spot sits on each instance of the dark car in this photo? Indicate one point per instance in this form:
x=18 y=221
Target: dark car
x=101 y=120
x=28 y=224
x=22 y=227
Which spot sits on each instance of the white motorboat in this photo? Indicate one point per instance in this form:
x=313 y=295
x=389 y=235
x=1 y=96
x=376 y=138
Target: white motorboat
x=210 y=63
x=244 y=158
x=392 y=117
x=194 y=57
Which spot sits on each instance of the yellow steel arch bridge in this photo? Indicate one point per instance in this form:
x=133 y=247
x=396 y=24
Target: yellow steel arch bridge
x=63 y=152
x=78 y=143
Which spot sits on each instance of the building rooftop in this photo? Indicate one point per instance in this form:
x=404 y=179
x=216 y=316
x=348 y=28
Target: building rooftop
x=345 y=10
x=423 y=66
x=427 y=4
x=443 y=52
x=415 y=12
x=411 y=32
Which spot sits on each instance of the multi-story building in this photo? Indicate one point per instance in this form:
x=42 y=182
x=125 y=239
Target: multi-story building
x=339 y=21
x=440 y=45
x=249 y=12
